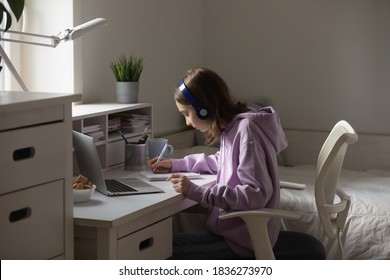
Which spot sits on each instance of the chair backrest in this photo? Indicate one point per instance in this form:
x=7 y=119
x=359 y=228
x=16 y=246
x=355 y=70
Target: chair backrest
x=330 y=161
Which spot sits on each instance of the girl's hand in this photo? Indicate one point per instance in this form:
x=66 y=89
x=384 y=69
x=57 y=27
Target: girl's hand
x=161 y=166
x=180 y=183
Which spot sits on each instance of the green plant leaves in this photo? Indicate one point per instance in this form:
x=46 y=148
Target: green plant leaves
x=16 y=6
x=127 y=69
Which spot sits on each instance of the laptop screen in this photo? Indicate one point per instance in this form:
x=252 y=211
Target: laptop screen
x=88 y=160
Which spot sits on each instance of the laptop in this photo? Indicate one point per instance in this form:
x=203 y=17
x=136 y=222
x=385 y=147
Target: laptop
x=90 y=167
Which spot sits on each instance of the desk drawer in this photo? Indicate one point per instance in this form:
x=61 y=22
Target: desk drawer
x=153 y=242
x=32 y=222
x=32 y=116
x=32 y=156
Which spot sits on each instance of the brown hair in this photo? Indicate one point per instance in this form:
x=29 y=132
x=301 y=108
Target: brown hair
x=209 y=89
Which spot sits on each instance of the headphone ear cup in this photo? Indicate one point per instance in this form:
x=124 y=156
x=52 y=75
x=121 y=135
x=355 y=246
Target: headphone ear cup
x=202 y=112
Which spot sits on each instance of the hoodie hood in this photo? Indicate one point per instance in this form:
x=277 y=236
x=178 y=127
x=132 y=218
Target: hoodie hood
x=268 y=122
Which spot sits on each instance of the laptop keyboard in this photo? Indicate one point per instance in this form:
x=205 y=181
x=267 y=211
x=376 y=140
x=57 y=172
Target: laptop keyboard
x=115 y=186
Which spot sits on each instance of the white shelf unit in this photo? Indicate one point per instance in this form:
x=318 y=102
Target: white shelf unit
x=36 y=197
x=111 y=147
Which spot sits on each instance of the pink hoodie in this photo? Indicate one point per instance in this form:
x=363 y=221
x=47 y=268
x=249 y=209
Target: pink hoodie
x=247 y=175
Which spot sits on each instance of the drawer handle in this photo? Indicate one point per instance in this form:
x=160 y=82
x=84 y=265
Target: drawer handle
x=147 y=243
x=24 y=153
x=20 y=214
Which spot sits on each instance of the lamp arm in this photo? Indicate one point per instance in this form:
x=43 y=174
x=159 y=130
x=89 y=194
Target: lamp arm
x=66 y=35
x=54 y=40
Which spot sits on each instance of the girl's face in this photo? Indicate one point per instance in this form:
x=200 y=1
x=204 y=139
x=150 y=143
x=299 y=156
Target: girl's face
x=192 y=119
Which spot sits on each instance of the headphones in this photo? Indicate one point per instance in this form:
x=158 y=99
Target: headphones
x=202 y=111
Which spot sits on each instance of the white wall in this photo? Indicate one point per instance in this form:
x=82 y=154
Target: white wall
x=320 y=61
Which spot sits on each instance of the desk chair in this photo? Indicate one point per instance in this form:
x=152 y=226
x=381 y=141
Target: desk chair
x=297 y=245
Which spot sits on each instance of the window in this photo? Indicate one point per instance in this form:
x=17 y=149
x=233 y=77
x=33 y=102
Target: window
x=42 y=68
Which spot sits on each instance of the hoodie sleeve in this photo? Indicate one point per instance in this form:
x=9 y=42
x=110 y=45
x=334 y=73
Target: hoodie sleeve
x=254 y=190
x=200 y=163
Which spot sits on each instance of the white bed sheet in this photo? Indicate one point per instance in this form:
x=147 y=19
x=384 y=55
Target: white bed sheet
x=367 y=231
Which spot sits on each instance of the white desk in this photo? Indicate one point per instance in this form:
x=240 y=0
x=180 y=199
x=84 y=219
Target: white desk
x=128 y=227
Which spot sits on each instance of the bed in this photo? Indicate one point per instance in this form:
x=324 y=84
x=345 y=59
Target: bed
x=365 y=178
x=367 y=231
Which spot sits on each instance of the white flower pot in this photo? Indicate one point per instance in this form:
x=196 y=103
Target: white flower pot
x=127 y=92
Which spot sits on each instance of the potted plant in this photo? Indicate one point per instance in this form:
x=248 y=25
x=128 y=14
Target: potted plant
x=127 y=71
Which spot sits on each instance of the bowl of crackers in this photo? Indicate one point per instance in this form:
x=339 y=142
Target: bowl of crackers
x=82 y=189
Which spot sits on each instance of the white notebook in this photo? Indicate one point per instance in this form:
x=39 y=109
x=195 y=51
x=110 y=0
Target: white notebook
x=163 y=177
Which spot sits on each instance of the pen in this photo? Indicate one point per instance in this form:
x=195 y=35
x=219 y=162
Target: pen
x=162 y=152
x=144 y=137
x=124 y=138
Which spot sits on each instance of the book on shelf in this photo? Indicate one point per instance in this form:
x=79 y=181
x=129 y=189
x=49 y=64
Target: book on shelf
x=92 y=128
x=129 y=122
x=114 y=124
x=112 y=129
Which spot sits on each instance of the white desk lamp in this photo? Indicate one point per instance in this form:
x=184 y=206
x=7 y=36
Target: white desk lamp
x=66 y=35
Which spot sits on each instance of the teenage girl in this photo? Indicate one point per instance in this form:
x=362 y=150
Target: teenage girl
x=246 y=166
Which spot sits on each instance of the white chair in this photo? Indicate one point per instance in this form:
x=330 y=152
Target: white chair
x=333 y=215
x=295 y=245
